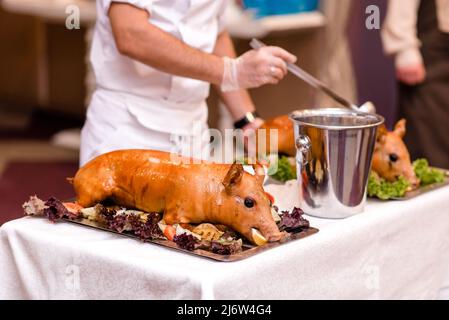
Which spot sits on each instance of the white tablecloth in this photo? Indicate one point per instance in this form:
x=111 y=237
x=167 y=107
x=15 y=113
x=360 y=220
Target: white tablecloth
x=393 y=250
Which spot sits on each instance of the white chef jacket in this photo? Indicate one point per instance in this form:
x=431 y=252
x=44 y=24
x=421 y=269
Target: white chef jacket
x=153 y=101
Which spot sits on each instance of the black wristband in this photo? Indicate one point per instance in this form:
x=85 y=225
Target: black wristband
x=247 y=119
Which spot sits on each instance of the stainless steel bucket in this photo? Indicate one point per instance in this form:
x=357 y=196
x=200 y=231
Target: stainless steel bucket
x=334 y=153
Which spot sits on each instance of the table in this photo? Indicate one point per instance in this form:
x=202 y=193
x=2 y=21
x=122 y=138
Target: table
x=393 y=250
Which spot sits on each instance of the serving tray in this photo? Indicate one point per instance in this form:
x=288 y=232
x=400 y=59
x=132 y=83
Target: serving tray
x=422 y=190
x=248 y=250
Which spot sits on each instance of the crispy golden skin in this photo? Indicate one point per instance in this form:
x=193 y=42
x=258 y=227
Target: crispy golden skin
x=391 y=158
x=185 y=193
x=286 y=138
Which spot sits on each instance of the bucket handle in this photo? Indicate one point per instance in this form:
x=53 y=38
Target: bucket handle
x=303 y=146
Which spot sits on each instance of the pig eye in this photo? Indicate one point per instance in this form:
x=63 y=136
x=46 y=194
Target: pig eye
x=249 y=202
x=394 y=157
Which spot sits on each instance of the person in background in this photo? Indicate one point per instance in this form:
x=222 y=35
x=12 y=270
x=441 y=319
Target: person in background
x=417 y=34
x=154 y=62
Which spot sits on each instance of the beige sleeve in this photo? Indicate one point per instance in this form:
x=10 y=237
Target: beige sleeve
x=443 y=15
x=399 y=32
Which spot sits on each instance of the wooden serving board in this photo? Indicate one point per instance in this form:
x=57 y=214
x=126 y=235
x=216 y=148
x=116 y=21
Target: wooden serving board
x=248 y=250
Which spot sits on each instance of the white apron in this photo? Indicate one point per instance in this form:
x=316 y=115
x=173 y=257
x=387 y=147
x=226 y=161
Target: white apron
x=139 y=107
x=111 y=124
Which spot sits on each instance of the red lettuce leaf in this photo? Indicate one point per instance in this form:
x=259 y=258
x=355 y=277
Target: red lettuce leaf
x=185 y=241
x=226 y=249
x=145 y=230
x=55 y=210
x=148 y=229
x=293 y=221
x=106 y=213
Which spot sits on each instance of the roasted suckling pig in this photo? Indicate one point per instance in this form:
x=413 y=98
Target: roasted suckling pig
x=391 y=157
x=183 y=191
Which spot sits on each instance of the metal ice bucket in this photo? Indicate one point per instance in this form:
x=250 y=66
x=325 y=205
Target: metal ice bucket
x=334 y=153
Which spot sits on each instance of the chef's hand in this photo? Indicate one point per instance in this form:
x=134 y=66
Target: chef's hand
x=250 y=130
x=256 y=68
x=411 y=75
x=253 y=126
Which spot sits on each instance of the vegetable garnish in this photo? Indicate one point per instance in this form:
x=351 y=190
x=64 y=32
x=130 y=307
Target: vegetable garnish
x=169 y=232
x=73 y=207
x=185 y=241
x=34 y=207
x=385 y=190
x=293 y=221
x=218 y=239
x=55 y=210
x=426 y=174
x=282 y=169
x=208 y=232
x=144 y=225
x=275 y=214
x=224 y=247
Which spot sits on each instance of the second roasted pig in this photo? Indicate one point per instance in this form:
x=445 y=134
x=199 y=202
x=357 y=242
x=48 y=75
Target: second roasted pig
x=391 y=158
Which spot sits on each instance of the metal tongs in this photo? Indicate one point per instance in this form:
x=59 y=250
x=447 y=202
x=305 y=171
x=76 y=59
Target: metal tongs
x=367 y=107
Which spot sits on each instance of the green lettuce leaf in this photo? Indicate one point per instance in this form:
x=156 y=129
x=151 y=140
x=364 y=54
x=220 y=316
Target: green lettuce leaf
x=284 y=171
x=426 y=174
x=385 y=190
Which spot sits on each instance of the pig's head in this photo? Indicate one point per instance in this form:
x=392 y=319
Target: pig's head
x=247 y=205
x=391 y=158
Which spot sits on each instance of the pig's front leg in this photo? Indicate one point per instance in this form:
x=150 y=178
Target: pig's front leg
x=176 y=212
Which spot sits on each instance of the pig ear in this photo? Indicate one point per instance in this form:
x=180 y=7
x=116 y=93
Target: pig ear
x=381 y=134
x=399 y=129
x=233 y=177
x=259 y=173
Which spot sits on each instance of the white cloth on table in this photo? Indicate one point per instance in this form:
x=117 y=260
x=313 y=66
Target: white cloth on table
x=393 y=250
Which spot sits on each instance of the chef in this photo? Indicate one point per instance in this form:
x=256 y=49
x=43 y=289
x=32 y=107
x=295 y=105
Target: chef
x=154 y=61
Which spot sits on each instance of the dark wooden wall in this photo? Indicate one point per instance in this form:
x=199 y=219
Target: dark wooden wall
x=42 y=65
x=374 y=71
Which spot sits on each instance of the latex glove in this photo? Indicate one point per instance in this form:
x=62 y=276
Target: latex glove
x=256 y=68
x=411 y=75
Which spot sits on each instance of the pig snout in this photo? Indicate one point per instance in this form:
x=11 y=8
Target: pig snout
x=271 y=232
x=410 y=176
x=259 y=229
x=264 y=231
x=404 y=168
